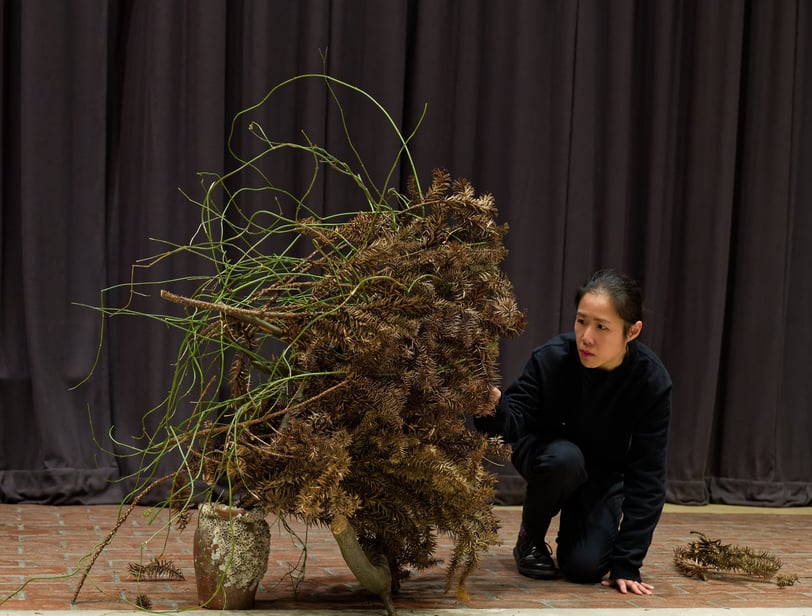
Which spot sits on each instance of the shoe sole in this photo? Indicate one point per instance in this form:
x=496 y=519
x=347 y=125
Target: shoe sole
x=537 y=575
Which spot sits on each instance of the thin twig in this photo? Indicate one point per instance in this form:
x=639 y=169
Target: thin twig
x=283 y=411
x=114 y=530
x=242 y=314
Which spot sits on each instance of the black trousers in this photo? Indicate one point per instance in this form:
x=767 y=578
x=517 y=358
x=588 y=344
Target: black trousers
x=589 y=504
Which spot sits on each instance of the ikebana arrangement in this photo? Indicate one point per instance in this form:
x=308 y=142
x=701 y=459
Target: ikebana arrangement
x=705 y=557
x=330 y=381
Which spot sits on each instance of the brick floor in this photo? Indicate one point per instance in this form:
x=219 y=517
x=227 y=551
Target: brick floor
x=45 y=548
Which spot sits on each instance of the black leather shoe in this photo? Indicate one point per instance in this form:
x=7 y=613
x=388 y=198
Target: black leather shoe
x=532 y=560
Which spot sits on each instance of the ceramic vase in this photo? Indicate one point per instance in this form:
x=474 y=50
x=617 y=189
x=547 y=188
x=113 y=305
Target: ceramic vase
x=231 y=547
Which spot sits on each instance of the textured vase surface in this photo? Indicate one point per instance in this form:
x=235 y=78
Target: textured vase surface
x=231 y=547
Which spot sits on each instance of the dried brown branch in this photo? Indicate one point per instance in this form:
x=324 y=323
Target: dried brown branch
x=249 y=316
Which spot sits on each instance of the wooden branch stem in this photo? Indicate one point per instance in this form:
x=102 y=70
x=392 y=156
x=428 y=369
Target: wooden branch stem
x=374 y=573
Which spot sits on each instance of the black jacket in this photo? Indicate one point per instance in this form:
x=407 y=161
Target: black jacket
x=619 y=419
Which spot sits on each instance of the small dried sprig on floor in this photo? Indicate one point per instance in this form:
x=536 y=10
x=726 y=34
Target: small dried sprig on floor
x=704 y=556
x=143 y=602
x=155 y=570
x=782 y=581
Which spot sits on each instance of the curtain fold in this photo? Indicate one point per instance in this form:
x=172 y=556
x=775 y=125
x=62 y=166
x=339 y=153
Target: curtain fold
x=666 y=139
x=53 y=242
x=764 y=357
x=170 y=68
x=690 y=305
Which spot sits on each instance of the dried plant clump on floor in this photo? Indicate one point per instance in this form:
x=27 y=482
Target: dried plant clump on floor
x=705 y=557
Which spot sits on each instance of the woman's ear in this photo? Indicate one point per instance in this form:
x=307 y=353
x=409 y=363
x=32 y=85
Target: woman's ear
x=634 y=331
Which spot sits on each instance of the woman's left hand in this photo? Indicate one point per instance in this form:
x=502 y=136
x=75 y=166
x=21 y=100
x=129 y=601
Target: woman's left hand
x=496 y=395
x=627 y=586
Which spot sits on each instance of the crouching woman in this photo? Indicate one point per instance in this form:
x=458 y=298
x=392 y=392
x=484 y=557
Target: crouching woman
x=588 y=421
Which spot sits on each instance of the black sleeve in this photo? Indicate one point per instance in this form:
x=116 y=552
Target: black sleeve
x=516 y=413
x=644 y=490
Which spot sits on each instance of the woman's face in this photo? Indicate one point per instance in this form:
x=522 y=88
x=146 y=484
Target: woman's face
x=599 y=332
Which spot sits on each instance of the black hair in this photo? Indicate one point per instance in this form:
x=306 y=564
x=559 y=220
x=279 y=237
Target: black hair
x=624 y=292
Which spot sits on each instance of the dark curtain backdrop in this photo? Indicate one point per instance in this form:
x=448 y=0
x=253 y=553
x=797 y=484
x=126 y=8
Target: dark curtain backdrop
x=667 y=139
